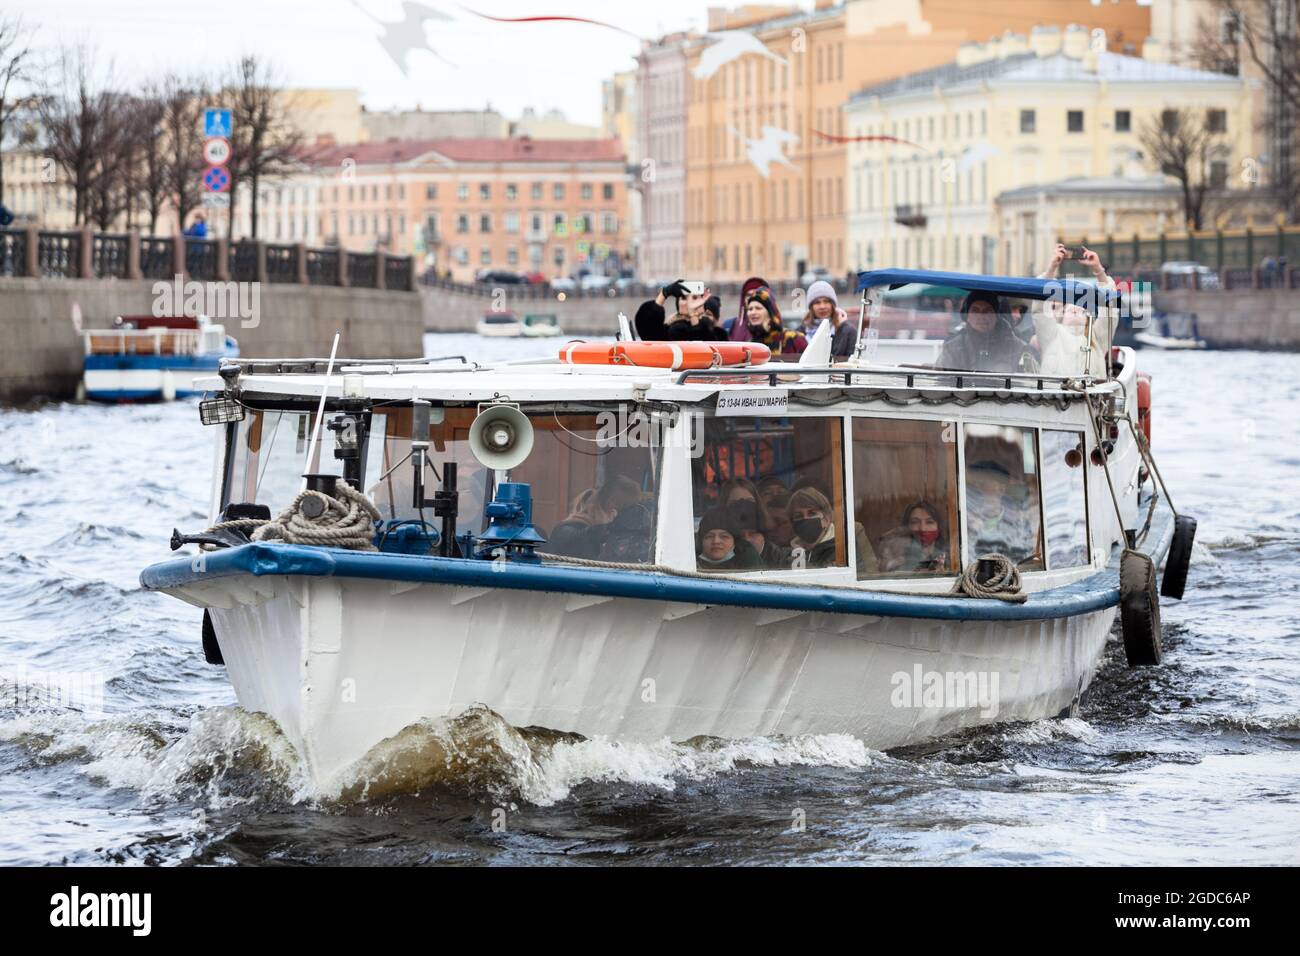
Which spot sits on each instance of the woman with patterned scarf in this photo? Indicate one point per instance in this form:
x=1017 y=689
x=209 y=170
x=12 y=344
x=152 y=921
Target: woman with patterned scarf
x=763 y=320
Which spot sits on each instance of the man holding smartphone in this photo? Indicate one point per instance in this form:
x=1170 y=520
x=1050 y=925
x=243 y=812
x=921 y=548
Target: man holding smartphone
x=690 y=320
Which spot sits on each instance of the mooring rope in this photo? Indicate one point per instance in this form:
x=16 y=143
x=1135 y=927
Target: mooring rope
x=1003 y=585
x=345 y=520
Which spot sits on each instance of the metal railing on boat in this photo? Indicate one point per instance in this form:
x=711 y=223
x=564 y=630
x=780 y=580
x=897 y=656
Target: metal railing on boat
x=905 y=376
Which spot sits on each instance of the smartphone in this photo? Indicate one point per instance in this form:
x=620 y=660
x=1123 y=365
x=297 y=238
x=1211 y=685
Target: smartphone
x=1074 y=252
x=694 y=287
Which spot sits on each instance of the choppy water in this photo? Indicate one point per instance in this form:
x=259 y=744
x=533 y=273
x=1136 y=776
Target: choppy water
x=1197 y=761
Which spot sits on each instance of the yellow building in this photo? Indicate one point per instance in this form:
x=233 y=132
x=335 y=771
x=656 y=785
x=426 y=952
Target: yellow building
x=766 y=165
x=1011 y=114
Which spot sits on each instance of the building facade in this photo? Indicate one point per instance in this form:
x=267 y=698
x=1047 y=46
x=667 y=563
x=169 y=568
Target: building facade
x=1011 y=114
x=659 y=167
x=463 y=205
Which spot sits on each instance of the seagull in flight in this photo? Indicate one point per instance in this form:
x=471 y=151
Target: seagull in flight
x=402 y=36
x=730 y=45
x=767 y=150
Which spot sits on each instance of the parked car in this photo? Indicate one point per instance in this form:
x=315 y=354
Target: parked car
x=534 y=278
x=625 y=284
x=1186 y=275
x=594 y=282
x=564 y=284
x=499 y=277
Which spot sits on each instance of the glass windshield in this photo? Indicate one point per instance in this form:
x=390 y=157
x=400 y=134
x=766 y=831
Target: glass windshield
x=1065 y=502
x=905 y=494
x=592 y=486
x=768 y=495
x=1002 y=494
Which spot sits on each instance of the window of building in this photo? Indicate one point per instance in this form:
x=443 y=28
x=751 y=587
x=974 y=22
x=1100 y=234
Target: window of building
x=587 y=191
x=431 y=191
x=537 y=190
x=607 y=191
x=462 y=191
x=512 y=192
x=1218 y=174
x=485 y=223
x=784 y=475
x=535 y=223
x=484 y=191
x=557 y=255
x=1074 y=121
x=512 y=222
x=557 y=191
x=609 y=223
x=1169 y=121
x=905 y=495
x=485 y=256
x=462 y=223
x=1028 y=121
x=1002 y=494
x=512 y=256
x=1065 y=500
x=1123 y=121
x=1216 y=121
x=559 y=225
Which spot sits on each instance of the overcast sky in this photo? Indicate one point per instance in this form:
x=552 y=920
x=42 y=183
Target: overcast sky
x=335 y=43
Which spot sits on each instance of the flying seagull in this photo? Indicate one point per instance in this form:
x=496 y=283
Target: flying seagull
x=763 y=152
x=730 y=45
x=402 y=36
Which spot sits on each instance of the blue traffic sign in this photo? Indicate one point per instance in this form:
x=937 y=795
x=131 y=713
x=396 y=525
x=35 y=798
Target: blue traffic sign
x=216 y=123
x=216 y=179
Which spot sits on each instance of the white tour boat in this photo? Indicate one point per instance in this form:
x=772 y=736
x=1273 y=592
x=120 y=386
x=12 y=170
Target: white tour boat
x=150 y=358
x=665 y=540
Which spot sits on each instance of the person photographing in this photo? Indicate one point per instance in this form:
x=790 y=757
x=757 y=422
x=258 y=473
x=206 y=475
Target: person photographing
x=690 y=321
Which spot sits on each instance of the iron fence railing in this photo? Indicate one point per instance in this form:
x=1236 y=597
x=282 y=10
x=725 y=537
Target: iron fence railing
x=361 y=270
x=58 y=255
x=201 y=259
x=243 y=261
x=157 y=257
x=322 y=266
x=13 y=252
x=281 y=263
x=108 y=256
x=397 y=273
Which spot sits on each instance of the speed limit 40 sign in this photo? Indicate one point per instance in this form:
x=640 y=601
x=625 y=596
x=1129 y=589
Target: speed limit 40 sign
x=216 y=152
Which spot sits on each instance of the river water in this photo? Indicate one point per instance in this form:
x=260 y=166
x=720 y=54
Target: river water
x=1195 y=762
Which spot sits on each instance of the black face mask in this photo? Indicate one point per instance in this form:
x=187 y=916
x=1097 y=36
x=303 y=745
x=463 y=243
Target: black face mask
x=759 y=328
x=809 y=529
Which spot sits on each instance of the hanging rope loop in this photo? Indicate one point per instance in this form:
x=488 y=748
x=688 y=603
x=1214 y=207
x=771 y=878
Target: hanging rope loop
x=1002 y=584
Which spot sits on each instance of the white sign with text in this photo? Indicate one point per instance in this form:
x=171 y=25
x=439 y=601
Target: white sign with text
x=753 y=401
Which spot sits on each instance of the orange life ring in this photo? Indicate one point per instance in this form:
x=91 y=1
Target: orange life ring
x=1144 y=403
x=669 y=355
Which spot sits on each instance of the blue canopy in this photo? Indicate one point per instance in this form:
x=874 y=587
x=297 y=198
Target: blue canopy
x=1070 y=290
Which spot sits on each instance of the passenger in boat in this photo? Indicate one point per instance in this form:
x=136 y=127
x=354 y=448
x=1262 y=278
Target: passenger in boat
x=742 y=489
x=721 y=546
x=736 y=327
x=920 y=543
x=629 y=537
x=748 y=518
x=986 y=342
x=763 y=317
x=813 y=544
x=771 y=487
x=1062 y=328
x=824 y=304
x=1000 y=515
x=690 y=321
x=584 y=532
x=779 y=528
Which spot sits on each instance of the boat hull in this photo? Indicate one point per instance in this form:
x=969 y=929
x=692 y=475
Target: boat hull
x=344 y=663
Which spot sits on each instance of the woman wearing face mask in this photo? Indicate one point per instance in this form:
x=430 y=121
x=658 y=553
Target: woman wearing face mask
x=748 y=517
x=918 y=544
x=721 y=545
x=813 y=544
x=764 y=321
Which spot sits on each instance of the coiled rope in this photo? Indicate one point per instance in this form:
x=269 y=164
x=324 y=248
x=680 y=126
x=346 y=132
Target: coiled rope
x=1004 y=584
x=345 y=520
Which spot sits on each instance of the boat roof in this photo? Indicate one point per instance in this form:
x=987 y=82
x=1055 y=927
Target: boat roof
x=1074 y=290
x=549 y=380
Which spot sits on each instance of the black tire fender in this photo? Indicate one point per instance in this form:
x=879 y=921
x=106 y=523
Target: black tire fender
x=1139 y=609
x=1179 y=558
x=211 y=649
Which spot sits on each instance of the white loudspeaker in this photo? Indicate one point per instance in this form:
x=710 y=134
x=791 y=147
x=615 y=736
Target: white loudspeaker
x=501 y=437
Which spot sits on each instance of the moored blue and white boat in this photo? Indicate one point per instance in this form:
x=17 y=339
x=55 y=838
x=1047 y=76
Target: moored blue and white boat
x=146 y=358
x=644 y=540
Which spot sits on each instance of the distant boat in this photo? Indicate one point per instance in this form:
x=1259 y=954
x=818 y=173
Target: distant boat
x=151 y=358
x=542 y=326
x=1171 y=330
x=500 y=325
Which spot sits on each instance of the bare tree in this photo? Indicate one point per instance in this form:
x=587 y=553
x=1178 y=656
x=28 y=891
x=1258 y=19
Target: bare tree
x=114 y=179
x=182 y=99
x=149 y=184
x=15 y=72
x=1262 y=34
x=264 y=144
x=75 y=107
x=1181 y=144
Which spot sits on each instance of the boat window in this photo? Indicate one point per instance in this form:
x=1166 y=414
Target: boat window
x=593 y=494
x=1002 y=495
x=905 y=494
x=1065 y=502
x=768 y=494
x=270 y=455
